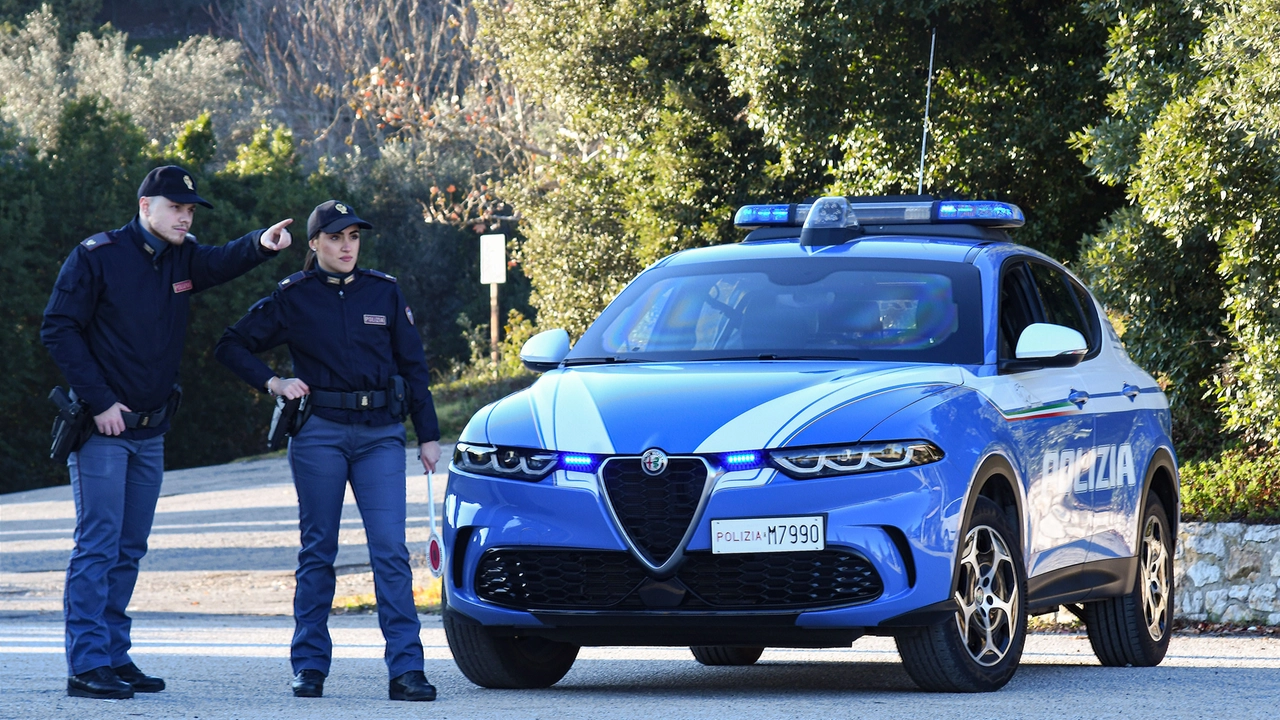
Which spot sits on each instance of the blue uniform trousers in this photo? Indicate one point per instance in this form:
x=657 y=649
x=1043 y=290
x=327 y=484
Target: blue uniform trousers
x=325 y=456
x=116 y=483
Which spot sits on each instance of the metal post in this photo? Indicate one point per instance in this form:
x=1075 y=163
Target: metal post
x=493 y=325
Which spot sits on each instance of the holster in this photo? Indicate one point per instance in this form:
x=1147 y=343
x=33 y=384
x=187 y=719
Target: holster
x=398 y=397
x=288 y=419
x=73 y=425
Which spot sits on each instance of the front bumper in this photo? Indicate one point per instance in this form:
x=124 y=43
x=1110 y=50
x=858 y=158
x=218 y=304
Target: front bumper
x=549 y=559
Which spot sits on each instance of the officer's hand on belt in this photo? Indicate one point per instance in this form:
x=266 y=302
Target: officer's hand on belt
x=109 y=421
x=292 y=388
x=429 y=453
x=277 y=237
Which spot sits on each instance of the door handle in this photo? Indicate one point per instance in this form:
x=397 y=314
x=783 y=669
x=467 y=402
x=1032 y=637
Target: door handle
x=1078 y=397
x=1130 y=391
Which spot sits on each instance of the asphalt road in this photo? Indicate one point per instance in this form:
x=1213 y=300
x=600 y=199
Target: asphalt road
x=211 y=615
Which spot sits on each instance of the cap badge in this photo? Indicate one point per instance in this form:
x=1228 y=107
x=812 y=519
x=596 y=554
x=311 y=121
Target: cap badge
x=340 y=208
x=653 y=461
x=190 y=185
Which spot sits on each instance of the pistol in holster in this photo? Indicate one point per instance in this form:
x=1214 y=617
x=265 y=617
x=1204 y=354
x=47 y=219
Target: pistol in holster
x=73 y=425
x=288 y=419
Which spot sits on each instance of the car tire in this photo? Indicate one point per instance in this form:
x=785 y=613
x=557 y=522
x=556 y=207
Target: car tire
x=501 y=661
x=1134 y=629
x=982 y=654
x=725 y=654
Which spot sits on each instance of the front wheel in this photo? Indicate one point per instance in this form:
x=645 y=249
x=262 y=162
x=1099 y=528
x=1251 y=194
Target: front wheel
x=498 y=661
x=1134 y=629
x=978 y=649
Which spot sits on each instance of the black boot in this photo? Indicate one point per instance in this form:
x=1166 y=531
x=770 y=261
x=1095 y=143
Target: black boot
x=100 y=683
x=308 y=683
x=140 y=681
x=412 y=686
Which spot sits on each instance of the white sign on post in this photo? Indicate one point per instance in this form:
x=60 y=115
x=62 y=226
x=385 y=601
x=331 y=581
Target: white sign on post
x=493 y=259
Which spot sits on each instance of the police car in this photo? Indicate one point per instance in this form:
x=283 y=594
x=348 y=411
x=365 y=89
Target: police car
x=873 y=416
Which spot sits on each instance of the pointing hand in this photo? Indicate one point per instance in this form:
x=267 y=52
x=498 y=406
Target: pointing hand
x=277 y=236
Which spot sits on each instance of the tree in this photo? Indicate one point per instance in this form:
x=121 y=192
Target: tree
x=652 y=151
x=1191 y=267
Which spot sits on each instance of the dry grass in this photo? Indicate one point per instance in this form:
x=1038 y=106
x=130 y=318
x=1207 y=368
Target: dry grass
x=427 y=600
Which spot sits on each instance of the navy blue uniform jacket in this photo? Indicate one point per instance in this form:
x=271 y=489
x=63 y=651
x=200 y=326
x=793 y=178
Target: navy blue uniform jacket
x=117 y=319
x=344 y=335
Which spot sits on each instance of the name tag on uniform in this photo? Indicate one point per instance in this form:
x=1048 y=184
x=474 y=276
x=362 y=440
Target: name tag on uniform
x=375 y=319
x=181 y=287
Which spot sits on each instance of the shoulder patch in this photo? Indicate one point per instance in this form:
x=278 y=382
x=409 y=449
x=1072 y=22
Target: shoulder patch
x=96 y=241
x=378 y=274
x=294 y=279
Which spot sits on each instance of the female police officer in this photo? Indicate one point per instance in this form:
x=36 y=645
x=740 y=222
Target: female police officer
x=349 y=332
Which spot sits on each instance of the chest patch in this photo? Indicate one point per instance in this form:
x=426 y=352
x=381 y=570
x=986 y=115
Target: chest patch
x=375 y=319
x=181 y=287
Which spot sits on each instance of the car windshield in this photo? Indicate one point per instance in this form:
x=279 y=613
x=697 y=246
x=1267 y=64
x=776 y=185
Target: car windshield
x=793 y=308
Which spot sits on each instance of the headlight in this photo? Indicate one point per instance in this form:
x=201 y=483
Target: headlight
x=816 y=462
x=504 y=462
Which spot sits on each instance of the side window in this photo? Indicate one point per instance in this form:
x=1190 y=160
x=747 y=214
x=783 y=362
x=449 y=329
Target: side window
x=1094 y=336
x=1019 y=306
x=1061 y=303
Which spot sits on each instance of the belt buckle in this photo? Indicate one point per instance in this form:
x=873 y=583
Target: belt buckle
x=144 y=420
x=364 y=400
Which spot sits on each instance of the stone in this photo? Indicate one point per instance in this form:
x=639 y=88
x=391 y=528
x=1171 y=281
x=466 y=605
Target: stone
x=1263 y=597
x=1232 y=530
x=1237 y=614
x=1215 y=602
x=1275 y=564
x=1203 y=572
x=1262 y=533
x=1238 y=592
x=1207 y=544
x=1273 y=619
x=1241 y=562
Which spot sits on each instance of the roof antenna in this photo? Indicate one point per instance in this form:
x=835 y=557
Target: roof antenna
x=924 y=139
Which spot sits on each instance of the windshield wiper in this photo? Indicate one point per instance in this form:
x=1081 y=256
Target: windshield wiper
x=772 y=356
x=570 y=362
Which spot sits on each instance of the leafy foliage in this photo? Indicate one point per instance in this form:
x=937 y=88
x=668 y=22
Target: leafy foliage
x=1235 y=486
x=653 y=153
x=1193 y=135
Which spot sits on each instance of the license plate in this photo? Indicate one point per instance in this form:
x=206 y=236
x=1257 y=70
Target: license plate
x=776 y=534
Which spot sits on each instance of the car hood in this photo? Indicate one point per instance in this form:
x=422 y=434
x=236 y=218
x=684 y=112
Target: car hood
x=704 y=407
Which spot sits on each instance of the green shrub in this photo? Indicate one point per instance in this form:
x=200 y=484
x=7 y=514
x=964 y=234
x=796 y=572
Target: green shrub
x=1234 y=486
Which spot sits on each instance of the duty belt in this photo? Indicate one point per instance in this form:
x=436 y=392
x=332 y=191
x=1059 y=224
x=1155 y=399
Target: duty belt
x=136 y=420
x=359 y=400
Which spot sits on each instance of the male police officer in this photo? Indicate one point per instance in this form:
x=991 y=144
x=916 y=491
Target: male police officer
x=115 y=325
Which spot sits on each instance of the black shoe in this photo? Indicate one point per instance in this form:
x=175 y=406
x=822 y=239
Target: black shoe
x=100 y=683
x=140 y=681
x=308 y=683
x=412 y=686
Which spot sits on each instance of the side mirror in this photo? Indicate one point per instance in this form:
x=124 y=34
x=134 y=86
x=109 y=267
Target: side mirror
x=545 y=351
x=1048 y=345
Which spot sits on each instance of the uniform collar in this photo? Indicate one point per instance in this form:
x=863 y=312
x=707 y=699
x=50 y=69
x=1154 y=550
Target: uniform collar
x=335 y=278
x=152 y=245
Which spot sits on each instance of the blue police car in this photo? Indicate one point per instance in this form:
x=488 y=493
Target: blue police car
x=872 y=416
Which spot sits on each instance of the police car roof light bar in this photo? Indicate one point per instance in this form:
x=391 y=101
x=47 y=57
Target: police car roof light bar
x=983 y=213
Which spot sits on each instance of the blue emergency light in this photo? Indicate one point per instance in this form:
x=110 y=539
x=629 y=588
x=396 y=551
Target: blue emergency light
x=863 y=212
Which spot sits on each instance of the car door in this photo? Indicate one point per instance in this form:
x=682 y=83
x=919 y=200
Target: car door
x=1053 y=435
x=1112 y=487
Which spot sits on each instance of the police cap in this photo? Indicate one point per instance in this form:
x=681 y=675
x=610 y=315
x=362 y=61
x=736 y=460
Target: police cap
x=332 y=216
x=172 y=182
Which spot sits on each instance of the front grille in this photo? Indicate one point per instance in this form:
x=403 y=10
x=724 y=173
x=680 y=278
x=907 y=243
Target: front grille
x=566 y=579
x=799 y=579
x=556 y=578
x=655 y=510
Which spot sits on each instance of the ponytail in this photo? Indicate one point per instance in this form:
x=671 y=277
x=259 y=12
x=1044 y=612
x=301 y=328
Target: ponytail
x=309 y=261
